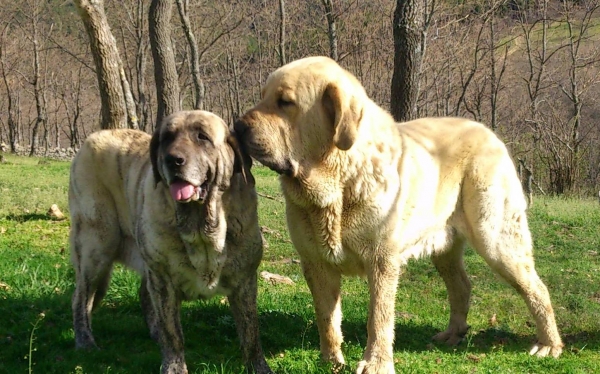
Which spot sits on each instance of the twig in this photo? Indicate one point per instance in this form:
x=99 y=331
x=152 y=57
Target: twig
x=269 y=197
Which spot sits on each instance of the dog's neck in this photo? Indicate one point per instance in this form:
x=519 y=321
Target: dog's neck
x=203 y=230
x=343 y=179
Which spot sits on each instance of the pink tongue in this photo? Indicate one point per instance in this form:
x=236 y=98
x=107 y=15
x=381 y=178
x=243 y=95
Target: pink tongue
x=182 y=190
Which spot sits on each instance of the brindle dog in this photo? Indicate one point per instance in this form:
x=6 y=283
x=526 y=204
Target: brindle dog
x=180 y=209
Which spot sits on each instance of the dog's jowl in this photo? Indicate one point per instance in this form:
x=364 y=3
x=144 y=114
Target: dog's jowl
x=163 y=205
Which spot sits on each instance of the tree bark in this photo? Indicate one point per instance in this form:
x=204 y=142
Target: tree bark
x=195 y=55
x=13 y=129
x=137 y=108
x=282 y=57
x=409 y=47
x=107 y=61
x=331 y=29
x=38 y=90
x=165 y=71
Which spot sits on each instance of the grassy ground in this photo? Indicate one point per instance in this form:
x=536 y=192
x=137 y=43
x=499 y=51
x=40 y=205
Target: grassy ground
x=36 y=283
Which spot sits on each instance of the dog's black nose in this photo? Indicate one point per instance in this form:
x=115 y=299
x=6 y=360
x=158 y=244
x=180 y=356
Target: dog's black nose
x=240 y=127
x=174 y=160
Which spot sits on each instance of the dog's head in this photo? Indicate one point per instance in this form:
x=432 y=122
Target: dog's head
x=193 y=152
x=309 y=107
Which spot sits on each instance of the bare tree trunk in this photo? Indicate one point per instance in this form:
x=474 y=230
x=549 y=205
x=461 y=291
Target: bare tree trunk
x=73 y=113
x=234 y=90
x=495 y=75
x=132 y=119
x=410 y=40
x=282 y=57
x=40 y=101
x=107 y=61
x=331 y=29
x=12 y=123
x=195 y=56
x=526 y=176
x=142 y=49
x=141 y=43
x=165 y=71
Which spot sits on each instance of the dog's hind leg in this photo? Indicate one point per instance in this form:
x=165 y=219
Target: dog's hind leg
x=450 y=266
x=92 y=255
x=102 y=287
x=500 y=234
x=148 y=310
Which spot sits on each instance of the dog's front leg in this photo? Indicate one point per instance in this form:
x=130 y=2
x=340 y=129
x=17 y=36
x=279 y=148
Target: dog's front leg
x=243 y=307
x=166 y=305
x=148 y=310
x=383 y=281
x=324 y=282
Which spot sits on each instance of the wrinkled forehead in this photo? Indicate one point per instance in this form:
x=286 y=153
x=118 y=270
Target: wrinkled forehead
x=197 y=120
x=309 y=74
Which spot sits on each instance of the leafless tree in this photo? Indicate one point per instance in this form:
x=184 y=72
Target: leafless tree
x=411 y=22
x=71 y=100
x=234 y=90
x=331 y=28
x=560 y=134
x=38 y=80
x=165 y=71
x=106 y=58
x=496 y=74
x=194 y=54
x=136 y=29
x=12 y=99
x=282 y=55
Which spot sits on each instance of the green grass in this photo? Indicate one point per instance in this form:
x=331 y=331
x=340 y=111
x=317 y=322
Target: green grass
x=36 y=284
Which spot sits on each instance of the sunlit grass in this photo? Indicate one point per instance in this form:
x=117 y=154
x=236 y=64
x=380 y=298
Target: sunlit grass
x=36 y=277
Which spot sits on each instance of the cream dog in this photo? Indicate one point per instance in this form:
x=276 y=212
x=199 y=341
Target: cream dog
x=364 y=194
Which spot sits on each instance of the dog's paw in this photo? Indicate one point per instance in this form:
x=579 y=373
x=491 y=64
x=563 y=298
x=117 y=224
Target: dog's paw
x=85 y=342
x=174 y=367
x=541 y=350
x=451 y=336
x=334 y=358
x=375 y=367
x=260 y=366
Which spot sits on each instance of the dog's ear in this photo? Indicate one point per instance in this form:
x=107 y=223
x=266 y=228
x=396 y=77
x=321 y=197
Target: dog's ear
x=154 y=144
x=241 y=159
x=345 y=113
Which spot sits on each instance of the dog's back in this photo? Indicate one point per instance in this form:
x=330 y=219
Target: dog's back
x=110 y=165
x=104 y=167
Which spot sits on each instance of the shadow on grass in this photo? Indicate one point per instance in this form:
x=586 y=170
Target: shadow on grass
x=211 y=340
x=28 y=217
x=123 y=338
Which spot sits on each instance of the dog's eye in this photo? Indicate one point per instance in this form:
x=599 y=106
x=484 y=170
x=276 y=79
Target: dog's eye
x=282 y=103
x=201 y=136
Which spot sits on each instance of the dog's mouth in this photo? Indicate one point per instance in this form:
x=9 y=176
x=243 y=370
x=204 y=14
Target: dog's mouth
x=282 y=167
x=183 y=191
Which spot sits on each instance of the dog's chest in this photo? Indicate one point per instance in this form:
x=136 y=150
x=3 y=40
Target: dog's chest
x=207 y=255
